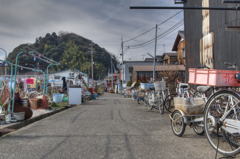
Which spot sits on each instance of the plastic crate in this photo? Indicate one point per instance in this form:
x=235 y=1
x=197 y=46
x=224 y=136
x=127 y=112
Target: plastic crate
x=213 y=77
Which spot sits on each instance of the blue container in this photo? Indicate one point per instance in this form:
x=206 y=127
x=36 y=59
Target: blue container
x=57 y=97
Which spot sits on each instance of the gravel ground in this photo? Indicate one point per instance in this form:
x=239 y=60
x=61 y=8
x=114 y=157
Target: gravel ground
x=111 y=127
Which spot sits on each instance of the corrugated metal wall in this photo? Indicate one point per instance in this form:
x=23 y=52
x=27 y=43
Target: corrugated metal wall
x=193 y=33
x=226 y=43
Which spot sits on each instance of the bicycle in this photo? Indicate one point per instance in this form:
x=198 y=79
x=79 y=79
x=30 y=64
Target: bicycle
x=221 y=122
x=222 y=110
x=188 y=110
x=156 y=98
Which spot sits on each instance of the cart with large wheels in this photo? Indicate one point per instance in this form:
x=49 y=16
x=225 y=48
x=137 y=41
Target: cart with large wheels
x=188 y=111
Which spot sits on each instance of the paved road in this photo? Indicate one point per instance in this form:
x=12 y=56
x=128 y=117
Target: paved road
x=108 y=128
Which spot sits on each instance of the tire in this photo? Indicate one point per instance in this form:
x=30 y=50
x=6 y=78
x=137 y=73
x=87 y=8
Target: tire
x=199 y=130
x=161 y=107
x=231 y=141
x=213 y=127
x=147 y=102
x=168 y=104
x=177 y=118
x=160 y=104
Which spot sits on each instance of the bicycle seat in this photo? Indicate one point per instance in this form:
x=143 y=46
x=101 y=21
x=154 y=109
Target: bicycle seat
x=183 y=85
x=202 y=89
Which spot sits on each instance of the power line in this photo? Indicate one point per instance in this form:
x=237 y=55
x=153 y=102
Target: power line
x=170 y=30
x=162 y=36
x=169 y=18
x=163 y=22
x=139 y=35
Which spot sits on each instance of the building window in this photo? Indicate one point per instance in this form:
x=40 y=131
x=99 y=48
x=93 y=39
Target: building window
x=144 y=76
x=130 y=69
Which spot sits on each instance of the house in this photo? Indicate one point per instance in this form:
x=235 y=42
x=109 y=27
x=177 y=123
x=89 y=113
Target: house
x=179 y=47
x=169 y=72
x=170 y=59
x=72 y=76
x=210 y=36
x=159 y=59
x=129 y=65
x=127 y=73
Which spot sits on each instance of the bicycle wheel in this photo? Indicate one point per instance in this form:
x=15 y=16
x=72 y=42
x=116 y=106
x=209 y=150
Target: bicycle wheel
x=145 y=100
x=199 y=130
x=149 y=101
x=177 y=123
x=160 y=103
x=168 y=104
x=222 y=122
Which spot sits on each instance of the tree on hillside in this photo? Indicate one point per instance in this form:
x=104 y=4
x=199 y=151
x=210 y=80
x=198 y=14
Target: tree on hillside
x=73 y=57
x=71 y=50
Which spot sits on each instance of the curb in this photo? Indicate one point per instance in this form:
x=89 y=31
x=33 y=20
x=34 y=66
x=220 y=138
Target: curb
x=18 y=125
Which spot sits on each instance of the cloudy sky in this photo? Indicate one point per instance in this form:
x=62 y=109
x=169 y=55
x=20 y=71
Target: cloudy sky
x=102 y=21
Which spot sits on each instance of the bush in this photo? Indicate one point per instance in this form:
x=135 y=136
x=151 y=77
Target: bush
x=129 y=83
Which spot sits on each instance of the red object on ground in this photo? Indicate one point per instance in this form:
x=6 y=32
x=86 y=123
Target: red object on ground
x=44 y=102
x=36 y=103
x=27 y=110
x=91 y=90
x=30 y=81
x=213 y=77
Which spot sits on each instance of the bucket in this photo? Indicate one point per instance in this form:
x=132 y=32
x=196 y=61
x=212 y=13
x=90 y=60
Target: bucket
x=19 y=116
x=65 y=99
x=57 y=97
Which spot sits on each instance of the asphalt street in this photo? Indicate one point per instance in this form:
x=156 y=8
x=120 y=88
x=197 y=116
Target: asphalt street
x=111 y=127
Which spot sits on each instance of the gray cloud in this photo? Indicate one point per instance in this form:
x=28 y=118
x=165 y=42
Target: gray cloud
x=103 y=21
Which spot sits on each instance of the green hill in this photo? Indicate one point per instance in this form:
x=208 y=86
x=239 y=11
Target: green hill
x=70 y=50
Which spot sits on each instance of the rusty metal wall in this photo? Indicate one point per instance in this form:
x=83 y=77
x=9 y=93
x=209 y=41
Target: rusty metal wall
x=226 y=43
x=226 y=47
x=193 y=33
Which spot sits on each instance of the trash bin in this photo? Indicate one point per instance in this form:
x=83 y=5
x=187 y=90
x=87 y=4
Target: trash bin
x=75 y=95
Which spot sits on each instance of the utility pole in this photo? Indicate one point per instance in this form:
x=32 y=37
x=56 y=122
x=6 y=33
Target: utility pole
x=155 y=53
x=92 y=62
x=122 y=54
x=112 y=71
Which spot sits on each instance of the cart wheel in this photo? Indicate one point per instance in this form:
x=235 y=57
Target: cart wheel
x=177 y=123
x=160 y=106
x=199 y=130
x=168 y=104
